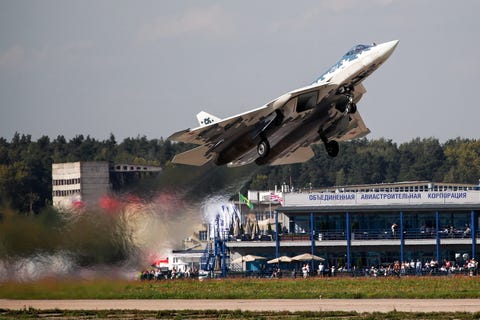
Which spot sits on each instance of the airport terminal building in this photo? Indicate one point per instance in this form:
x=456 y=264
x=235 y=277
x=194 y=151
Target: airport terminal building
x=371 y=225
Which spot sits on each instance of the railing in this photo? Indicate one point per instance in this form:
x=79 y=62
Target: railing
x=375 y=234
x=360 y=234
x=248 y=237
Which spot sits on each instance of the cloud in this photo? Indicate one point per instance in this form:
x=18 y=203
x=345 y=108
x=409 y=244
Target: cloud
x=212 y=20
x=12 y=57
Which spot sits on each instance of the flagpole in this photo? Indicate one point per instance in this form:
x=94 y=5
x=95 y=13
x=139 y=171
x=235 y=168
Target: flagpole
x=240 y=207
x=270 y=203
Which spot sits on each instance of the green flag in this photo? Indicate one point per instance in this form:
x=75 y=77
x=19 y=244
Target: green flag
x=245 y=200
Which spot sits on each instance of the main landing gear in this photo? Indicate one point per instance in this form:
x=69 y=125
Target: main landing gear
x=332 y=148
x=352 y=107
x=263 y=148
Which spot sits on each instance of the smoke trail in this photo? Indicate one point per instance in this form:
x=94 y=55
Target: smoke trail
x=125 y=234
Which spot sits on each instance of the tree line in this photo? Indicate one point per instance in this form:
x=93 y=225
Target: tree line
x=26 y=165
x=381 y=161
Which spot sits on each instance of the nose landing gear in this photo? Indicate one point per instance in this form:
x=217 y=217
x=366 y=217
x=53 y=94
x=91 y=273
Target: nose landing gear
x=348 y=106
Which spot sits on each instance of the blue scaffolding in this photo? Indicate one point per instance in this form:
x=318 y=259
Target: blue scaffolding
x=215 y=257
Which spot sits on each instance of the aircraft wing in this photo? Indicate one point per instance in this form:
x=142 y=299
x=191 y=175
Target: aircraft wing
x=223 y=129
x=211 y=136
x=302 y=154
x=195 y=157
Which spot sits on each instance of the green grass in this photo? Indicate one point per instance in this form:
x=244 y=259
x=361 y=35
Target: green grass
x=225 y=314
x=458 y=287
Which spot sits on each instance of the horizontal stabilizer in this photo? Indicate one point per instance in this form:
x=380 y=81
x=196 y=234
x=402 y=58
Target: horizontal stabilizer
x=205 y=119
x=193 y=157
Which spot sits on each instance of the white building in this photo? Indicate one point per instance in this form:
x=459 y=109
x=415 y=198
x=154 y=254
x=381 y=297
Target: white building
x=78 y=184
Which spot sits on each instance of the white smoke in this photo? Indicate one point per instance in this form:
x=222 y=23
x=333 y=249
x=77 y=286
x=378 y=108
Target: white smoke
x=40 y=265
x=223 y=209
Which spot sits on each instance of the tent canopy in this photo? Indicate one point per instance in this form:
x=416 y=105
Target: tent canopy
x=280 y=259
x=247 y=258
x=307 y=257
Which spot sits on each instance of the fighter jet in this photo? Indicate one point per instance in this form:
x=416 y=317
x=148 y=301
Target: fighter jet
x=283 y=130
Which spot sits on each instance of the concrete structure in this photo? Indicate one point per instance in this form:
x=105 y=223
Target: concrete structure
x=79 y=184
x=76 y=184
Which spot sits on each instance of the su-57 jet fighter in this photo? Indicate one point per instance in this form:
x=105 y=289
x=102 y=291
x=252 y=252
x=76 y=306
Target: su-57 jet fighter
x=283 y=130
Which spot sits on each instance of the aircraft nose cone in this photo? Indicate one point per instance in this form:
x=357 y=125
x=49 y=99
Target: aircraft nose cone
x=387 y=48
x=391 y=45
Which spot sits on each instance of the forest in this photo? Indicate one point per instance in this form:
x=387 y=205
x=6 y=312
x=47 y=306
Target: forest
x=26 y=165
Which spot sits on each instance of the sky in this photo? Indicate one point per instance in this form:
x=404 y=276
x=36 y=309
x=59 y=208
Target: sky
x=146 y=68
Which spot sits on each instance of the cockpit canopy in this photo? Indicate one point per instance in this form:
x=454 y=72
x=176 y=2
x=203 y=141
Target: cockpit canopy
x=357 y=49
x=349 y=56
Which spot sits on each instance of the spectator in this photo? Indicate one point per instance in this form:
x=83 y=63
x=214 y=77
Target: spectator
x=418 y=267
x=321 y=268
x=305 y=270
x=467 y=231
x=448 y=266
x=394 y=229
x=396 y=268
x=472 y=266
x=433 y=266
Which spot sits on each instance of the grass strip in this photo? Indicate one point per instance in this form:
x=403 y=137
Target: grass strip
x=226 y=314
x=313 y=288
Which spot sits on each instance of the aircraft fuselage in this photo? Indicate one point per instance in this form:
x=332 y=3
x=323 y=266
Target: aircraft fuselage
x=281 y=131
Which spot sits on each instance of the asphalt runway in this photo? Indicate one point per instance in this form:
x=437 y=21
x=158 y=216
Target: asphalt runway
x=358 y=305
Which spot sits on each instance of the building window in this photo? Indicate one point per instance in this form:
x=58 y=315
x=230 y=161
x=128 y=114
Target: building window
x=202 y=235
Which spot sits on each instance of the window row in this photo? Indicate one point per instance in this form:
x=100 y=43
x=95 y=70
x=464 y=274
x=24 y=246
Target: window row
x=421 y=222
x=65 y=193
x=66 y=182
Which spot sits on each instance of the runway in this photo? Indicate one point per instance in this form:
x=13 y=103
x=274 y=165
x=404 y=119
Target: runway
x=358 y=305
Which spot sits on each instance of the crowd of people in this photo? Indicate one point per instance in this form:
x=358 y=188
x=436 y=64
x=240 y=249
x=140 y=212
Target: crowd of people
x=155 y=273
x=417 y=268
x=412 y=268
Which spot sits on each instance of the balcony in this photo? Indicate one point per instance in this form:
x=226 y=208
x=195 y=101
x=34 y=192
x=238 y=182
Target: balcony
x=360 y=234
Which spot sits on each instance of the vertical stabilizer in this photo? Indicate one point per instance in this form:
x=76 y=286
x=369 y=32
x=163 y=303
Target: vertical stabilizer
x=205 y=119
